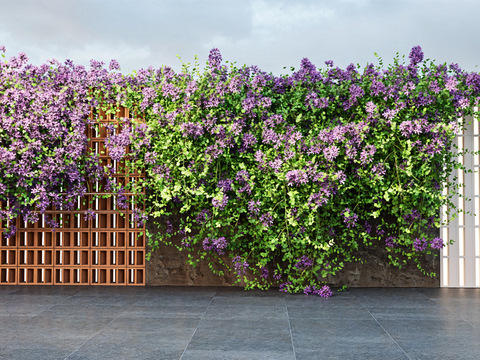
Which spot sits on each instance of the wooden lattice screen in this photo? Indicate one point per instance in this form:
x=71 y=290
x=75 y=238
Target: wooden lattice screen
x=107 y=250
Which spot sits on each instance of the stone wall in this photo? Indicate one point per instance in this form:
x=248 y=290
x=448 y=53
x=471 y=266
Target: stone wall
x=168 y=267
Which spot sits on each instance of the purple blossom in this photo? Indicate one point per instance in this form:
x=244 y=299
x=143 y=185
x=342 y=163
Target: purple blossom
x=114 y=65
x=285 y=286
x=169 y=227
x=303 y=263
x=218 y=245
x=296 y=177
x=324 y=291
x=225 y=185
x=215 y=59
x=203 y=216
x=330 y=153
x=390 y=241
x=266 y=219
x=416 y=55
x=220 y=203
x=240 y=265
x=436 y=243
x=349 y=218
x=90 y=215
x=264 y=273
x=254 y=207
x=420 y=244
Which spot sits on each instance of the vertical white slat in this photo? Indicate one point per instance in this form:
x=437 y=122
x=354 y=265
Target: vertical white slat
x=460 y=264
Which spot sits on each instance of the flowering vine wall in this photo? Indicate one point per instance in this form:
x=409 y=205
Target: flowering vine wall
x=285 y=176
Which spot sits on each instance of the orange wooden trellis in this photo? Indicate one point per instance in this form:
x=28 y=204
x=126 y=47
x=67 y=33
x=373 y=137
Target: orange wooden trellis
x=107 y=250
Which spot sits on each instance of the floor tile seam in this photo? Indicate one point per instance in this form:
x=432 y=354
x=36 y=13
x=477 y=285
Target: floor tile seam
x=290 y=328
x=196 y=329
x=98 y=332
x=443 y=307
x=391 y=337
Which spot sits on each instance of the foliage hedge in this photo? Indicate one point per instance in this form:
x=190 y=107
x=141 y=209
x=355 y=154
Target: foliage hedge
x=283 y=175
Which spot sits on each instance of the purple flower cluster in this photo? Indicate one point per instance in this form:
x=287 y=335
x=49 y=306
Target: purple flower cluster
x=303 y=263
x=349 y=218
x=240 y=265
x=323 y=291
x=218 y=245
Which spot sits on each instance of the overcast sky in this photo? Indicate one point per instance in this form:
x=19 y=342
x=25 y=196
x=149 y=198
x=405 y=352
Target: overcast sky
x=268 y=33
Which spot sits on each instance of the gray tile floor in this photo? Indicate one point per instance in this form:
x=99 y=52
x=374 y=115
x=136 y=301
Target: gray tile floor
x=230 y=323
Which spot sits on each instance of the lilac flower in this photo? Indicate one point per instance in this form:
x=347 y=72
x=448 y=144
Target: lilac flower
x=451 y=84
x=254 y=207
x=169 y=227
x=390 y=241
x=90 y=215
x=416 y=55
x=349 y=218
x=203 y=216
x=2 y=48
x=436 y=243
x=225 y=185
x=368 y=227
x=420 y=244
x=367 y=154
x=215 y=59
x=239 y=265
x=220 y=203
x=139 y=217
x=296 y=177
x=330 y=153
x=266 y=219
x=324 y=291
x=218 y=245
x=277 y=276
x=264 y=274
x=9 y=232
x=114 y=65
x=303 y=263
x=285 y=286
x=370 y=108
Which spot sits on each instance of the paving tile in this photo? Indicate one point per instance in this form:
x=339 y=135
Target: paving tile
x=182 y=290
x=446 y=293
x=7 y=289
x=113 y=290
x=356 y=352
x=27 y=299
x=435 y=339
x=391 y=297
x=248 y=300
x=12 y=322
x=412 y=313
x=176 y=311
x=50 y=321
x=354 y=313
x=133 y=324
x=111 y=300
x=253 y=311
x=242 y=335
x=338 y=300
x=87 y=310
x=40 y=351
x=49 y=290
x=124 y=345
x=237 y=355
x=30 y=309
x=174 y=300
x=241 y=292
